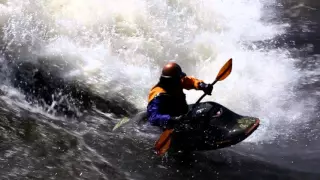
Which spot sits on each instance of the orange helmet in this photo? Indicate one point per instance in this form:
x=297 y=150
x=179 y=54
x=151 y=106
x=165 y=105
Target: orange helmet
x=172 y=70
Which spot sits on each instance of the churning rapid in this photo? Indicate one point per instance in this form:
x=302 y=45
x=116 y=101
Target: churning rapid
x=71 y=69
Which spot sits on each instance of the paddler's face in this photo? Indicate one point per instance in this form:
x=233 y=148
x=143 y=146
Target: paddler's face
x=182 y=75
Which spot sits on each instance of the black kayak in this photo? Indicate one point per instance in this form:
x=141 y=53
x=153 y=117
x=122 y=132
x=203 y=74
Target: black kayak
x=211 y=126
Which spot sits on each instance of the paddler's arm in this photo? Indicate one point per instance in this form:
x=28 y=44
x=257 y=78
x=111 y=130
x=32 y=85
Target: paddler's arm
x=154 y=116
x=189 y=82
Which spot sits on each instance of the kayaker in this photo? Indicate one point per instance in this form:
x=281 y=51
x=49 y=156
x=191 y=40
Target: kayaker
x=167 y=104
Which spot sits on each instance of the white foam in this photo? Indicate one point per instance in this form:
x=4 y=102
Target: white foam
x=129 y=41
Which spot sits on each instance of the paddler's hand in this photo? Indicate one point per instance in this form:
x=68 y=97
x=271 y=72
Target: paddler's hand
x=206 y=88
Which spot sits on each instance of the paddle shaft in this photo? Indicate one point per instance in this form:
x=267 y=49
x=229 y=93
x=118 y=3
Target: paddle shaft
x=204 y=94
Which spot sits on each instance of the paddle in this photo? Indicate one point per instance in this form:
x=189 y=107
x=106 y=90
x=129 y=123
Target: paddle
x=163 y=143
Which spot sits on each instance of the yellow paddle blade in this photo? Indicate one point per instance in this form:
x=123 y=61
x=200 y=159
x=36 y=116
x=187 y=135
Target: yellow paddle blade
x=225 y=70
x=120 y=123
x=163 y=143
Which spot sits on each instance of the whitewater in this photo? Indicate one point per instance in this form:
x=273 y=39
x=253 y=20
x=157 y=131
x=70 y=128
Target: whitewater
x=114 y=51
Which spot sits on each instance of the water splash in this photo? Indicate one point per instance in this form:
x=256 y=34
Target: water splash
x=120 y=46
